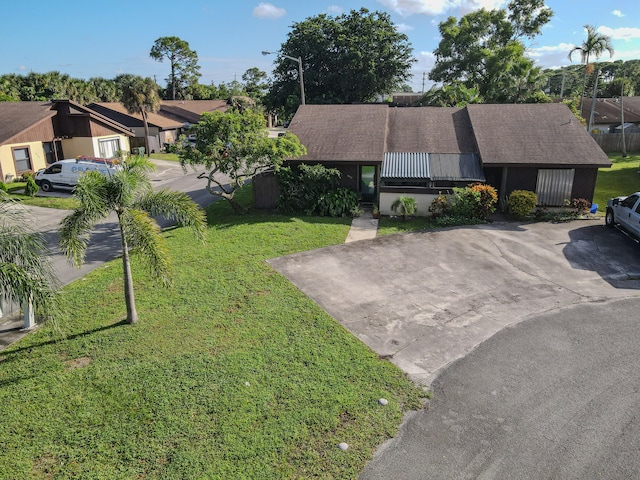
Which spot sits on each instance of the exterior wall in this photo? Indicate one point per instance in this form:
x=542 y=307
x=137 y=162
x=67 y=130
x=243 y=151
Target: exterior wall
x=7 y=164
x=74 y=147
x=584 y=183
x=423 y=201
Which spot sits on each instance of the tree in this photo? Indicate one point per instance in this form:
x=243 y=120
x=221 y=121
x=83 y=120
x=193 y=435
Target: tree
x=235 y=143
x=128 y=193
x=451 y=95
x=140 y=95
x=26 y=273
x=594 y=45
x=349 y=58
x=183 y=61
x=484 y=50
x=255 y=83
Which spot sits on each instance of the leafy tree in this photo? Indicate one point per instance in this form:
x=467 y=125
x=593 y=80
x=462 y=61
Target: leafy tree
x=236 y=144
x=256 y=83
x=594 y=45
x=128 y=193
x=484 y=50
x=140 y=95
x=349 y=58
x=183 y=61
x=451 y=95
x=26 y=272
x=105 y=90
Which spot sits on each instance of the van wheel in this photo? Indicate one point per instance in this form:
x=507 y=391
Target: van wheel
x=46 y=186
x=608 y=219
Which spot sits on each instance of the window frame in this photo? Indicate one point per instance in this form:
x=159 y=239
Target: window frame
x=29 y=159
x=109 y=140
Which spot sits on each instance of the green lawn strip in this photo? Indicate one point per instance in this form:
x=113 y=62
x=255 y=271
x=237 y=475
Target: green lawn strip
x=231 y=373
x=171 y=157
x=621 y=179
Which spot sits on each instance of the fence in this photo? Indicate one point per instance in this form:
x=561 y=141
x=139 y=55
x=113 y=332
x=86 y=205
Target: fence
x=612 y=142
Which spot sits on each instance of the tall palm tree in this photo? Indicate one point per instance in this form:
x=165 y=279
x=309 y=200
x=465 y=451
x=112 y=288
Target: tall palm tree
x=128 y=193
x=594 y=45
x=140 y=95
x=26 y=273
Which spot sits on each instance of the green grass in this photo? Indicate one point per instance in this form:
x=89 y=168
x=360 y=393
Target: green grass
x=66 y=203
x=232 y=373
x=621 y=179
x=172 y=157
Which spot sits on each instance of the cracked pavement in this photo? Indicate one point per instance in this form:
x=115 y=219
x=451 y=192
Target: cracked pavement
x=425 y=299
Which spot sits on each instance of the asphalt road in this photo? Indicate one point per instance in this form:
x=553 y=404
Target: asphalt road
x=553 y=397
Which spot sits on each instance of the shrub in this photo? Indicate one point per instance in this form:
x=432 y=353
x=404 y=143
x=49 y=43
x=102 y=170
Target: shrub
x=3 y=187
x=522 y=202
x=488 y=199
x=31 y=188
x=338 y=203
x=580 y=206
x=465 y=203
x=405 y=206
x=439 y=207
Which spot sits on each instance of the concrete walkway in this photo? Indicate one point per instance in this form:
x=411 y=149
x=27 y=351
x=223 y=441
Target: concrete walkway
x=364 y=227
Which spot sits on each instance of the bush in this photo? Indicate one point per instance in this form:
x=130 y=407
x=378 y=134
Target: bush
x=488 y=199
x=31 y=188
x=439 y=207
x=522 y=202
x=338 y=203
x=465 y=203
x=405 y=206
x=580 y=206
x=3 y=187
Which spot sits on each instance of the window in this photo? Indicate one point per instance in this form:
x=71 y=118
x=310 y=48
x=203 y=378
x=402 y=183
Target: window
x=630 y=201
x=22 y=157
x=109 y=147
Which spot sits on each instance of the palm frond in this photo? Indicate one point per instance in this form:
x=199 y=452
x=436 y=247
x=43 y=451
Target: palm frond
x=142 y=234
x=175 y=206
x=75 y=231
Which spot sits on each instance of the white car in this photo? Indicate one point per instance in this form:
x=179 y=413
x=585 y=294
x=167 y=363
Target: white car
x=64 y=174
x=625 y=212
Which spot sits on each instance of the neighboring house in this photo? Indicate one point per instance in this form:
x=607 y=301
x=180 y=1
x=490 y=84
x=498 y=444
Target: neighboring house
x=166 y=125
x=386 y=152
x=35 y=134
x=607 y=114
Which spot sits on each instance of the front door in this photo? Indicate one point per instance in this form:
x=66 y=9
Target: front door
x=368 y=187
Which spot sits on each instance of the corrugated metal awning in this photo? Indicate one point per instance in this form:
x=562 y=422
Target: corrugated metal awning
x=405 y=165
x=455 y=167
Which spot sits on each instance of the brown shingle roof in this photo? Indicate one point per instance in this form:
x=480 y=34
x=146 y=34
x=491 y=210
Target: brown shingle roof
x=341 y=132
x=119 y=113
x=16 y=117
x=528 y=134
x=608 y=111
x=191 y=110
x=430 y=129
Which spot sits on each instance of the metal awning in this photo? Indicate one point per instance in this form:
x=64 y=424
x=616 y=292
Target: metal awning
x=454 y=167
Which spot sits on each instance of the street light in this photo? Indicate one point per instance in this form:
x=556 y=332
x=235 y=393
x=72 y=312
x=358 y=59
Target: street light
x=299 y=60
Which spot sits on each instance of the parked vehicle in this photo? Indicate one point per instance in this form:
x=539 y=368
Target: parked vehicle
x=64 y=174
x=625 y=212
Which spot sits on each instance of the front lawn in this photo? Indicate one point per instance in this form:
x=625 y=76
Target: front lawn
x=233 y=373
x=621 y=179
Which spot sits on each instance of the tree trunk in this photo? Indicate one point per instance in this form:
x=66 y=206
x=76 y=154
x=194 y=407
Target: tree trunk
x=146 y=132
x=235 y=205
x=129 y=297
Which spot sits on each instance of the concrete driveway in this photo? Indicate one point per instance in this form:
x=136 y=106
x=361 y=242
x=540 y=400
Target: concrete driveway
x=555 y=396
x=425 y=299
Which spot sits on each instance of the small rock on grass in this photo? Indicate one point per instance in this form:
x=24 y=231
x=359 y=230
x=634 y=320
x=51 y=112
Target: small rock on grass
x=343 y=446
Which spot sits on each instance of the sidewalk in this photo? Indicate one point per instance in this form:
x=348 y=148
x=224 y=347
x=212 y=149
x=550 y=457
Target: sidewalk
x=364 y=227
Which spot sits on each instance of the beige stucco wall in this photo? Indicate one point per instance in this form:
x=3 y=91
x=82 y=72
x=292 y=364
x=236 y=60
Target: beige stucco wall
x=423 y=202
x=38 y=159
x=74 y=147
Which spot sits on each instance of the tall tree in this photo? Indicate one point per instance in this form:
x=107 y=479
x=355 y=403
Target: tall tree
x=183 y=61
x=140 y=95
x=128 y=193
x=349 y=58
x=26 y=274
x=594 y=45
x=255 y=83
x=485 y=48
x=236 y=144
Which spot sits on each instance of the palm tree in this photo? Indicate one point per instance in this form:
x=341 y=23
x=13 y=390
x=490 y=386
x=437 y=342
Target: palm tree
x=404 y=206
x=595 y=45
x=140 y=95
x=128 y=193
x=26 y=273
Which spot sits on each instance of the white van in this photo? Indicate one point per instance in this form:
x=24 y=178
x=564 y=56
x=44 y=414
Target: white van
x=65 y=173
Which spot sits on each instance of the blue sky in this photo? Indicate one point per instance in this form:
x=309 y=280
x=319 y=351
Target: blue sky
x=89 y=38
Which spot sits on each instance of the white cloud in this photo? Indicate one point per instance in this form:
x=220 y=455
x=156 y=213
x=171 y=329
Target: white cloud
x=335 y=10
x=624 y=33
x=23 y=68
x=618 y=13
x=403 y=27
x=551 y=56
x=437 y=7
x=268 y=10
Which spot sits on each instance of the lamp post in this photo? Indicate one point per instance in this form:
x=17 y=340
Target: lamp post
x=299 y=60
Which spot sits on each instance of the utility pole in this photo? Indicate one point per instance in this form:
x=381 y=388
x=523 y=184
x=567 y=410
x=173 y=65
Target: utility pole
x=593 y=100
x=624 y=145
x=564 y=72
x=424 y=74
